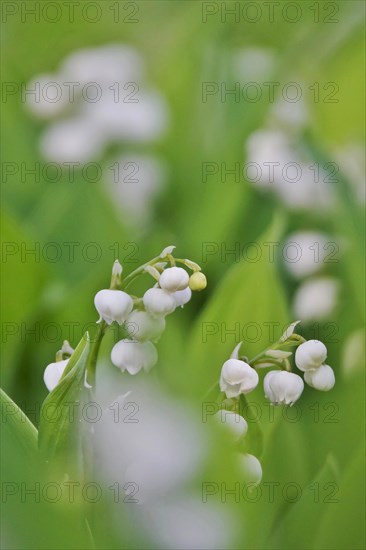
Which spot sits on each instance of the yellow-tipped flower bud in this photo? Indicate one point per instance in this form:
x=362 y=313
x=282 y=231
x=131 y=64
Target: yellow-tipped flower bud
x=197 y=281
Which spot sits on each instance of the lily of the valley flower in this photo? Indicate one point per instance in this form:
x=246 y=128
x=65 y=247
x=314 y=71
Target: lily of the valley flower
x=310 y=355
x=237 y=377
x=197 y=281
x=182 y=297
x=113 y=305
x=53 y=373
x=133 y=356
x=158 y=302
x=174 y=278
x=142 y=326
x=252 y=468
x=322 y=378
x=235 y=424
x=283 y=387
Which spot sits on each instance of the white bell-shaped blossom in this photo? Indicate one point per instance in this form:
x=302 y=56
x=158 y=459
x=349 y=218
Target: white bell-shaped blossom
x=305 y=252
x=310 y=355
x=233 y=422
x=142 y=326
x=133 y=356
x=237 y=377
x=158 y=302
x=182 y=297
x=282 y=387
x=113 y=305
x=173 y=279
x=251 y=467
x=53 y=373
x=316 y=298
x=322 y=378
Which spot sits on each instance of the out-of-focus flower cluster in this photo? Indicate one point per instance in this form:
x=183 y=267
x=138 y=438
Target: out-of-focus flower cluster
x=99 y=98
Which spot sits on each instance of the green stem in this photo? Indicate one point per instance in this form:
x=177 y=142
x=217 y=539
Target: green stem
x=295 y=340
x=139 y=271
x=91 y=362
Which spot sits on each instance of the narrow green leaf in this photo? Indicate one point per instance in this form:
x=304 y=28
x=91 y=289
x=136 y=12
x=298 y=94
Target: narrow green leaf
x=59 y=412
x=343 y=524
x=248 y=305
x=298 y=525
x=17 y=427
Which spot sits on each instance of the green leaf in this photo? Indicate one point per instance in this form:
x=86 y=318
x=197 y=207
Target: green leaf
x=16 y=429
x=298 y=527
x=23 y=500
x=59 y=412
x=343 y=524
x=247 y=303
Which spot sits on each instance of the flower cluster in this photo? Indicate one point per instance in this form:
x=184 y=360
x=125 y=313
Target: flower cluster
x=281 y=386
x=239 y=376
x=142 y=319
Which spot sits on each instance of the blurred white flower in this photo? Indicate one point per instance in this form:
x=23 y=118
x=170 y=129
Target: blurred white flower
x=305 y=252
x=267 y=146
x=104 y=65
x=233 y=422
x=53 y=373
x=251 y=468
x=49 y=97
x=104 y=91
x=134 y=356
x=158 y=447
x=253 y=63
x=310 y=355
x=316 y=299
x=72 y=140
x=237 y=377
x=188 y=524
x=322 y=378
x=282 y=387
x=134 y=181
x=275 y=163
x=142 y=121
x=293 y=114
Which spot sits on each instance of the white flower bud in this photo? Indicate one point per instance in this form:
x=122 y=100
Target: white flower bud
x=237 y=377
x=174 y=278
x=252 y=468
x=310 y=355
x=322 y=378
x=182 y=297
x=133 y=356
x=53 y=373
x=113 y=305
x=158 y=302
x=142 y=326
x=235 y=424
x=117 y=269
x=197 y=281
x=167 y=250
x=283 y=387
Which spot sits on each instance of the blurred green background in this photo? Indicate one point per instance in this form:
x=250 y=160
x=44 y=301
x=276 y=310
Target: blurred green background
x=181 y=52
